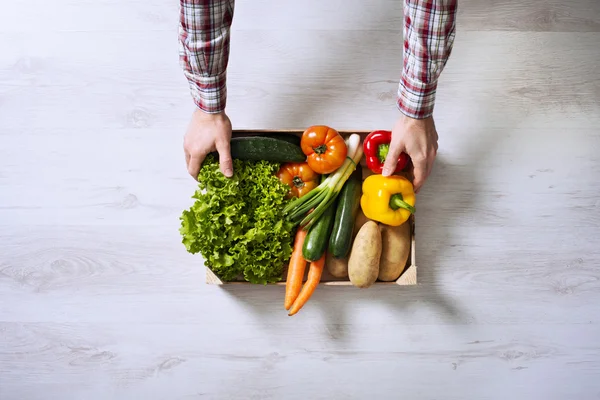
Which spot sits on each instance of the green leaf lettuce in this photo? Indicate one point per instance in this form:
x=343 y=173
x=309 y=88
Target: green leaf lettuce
x=237 y=223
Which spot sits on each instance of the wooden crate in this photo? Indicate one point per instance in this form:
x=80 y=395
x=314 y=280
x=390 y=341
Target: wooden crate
x=408 y=276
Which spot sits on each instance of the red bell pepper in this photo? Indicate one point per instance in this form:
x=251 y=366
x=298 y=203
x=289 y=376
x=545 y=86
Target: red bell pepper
x=376 y=148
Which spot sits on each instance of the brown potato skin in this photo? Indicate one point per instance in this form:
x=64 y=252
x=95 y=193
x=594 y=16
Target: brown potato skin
x=338 y=267
x=360 y=220
x=363 y=264
x=395 y=249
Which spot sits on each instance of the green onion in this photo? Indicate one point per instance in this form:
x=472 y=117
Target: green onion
x=324 y=195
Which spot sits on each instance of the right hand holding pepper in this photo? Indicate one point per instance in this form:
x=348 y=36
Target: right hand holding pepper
x=419 y=139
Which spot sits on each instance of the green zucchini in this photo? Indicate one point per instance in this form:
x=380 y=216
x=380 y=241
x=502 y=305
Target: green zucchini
x=317 y=238
x=259 y=148
x=340 y=240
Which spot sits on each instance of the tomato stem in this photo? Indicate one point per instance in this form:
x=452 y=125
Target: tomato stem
x=320 y=149
x=298 y=182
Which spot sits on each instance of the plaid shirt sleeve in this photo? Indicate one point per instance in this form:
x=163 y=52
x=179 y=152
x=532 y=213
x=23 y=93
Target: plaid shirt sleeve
x=204 y=35
x=429 y=29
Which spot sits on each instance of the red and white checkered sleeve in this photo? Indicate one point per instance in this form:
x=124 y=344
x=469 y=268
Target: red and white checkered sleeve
x=204 y=35
x=429 y=29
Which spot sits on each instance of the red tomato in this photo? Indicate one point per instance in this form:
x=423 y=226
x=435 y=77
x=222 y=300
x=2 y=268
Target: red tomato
x=299 y=177
x=324 y=147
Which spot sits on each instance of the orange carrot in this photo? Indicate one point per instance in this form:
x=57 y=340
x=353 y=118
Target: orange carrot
x=296 y=268
x=314 y=277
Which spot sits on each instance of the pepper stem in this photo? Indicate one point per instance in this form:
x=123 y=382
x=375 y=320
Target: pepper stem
x=397 y=201
x=382 y=152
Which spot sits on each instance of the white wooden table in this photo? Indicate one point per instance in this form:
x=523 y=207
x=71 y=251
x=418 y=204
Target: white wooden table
x=99 y=300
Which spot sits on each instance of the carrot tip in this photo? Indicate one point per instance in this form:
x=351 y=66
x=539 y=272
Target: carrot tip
x=294 y=310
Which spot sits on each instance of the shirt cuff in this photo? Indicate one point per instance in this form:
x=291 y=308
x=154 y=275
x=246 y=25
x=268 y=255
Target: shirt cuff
x=209 y=93
x=416 y=99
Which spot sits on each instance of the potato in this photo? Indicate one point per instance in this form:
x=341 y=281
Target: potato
x=338 y=267
x=395 y=248
x=360 y=220
x=363 y=265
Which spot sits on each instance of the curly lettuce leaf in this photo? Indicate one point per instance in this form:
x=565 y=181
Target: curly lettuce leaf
x=237 y=223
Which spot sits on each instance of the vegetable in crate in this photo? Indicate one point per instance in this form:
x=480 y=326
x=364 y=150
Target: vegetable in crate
x=395 y=248
x=337 y=267
x=238 y=224
x=296 y=294
x=389 y=200
x=363 y=265
x=323 y=196
x=324 y=147
x=318 y=236
x=359 y=222
x=299 y=177
x=296 y=268
x=288 y=137
x=312 y=281
x=376 y=148
x=348 y=205
x=264 y=148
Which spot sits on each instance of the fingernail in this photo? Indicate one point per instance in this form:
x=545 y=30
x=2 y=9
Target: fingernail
x=228 y=173
x=386 y=172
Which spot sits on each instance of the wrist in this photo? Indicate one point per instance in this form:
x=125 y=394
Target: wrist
x=409 y=121
x=210 y=116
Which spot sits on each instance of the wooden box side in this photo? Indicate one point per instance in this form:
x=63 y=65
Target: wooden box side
x=408 y=276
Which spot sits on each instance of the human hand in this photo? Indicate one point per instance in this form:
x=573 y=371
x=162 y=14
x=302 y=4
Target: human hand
x=419 y=139
x=207 y=133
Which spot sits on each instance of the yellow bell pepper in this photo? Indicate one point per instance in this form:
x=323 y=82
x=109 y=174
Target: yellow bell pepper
x=388 y=199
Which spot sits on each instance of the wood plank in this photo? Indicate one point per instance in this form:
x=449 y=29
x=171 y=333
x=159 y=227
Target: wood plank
x=170 y=361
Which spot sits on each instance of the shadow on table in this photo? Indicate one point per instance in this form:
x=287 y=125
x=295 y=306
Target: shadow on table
x=448 y=195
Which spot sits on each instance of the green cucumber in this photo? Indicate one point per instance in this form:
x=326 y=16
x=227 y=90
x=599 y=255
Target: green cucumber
x=340 y=240
x=295 y=139
x=317 y=237
x=259 y=148
x=288 y=137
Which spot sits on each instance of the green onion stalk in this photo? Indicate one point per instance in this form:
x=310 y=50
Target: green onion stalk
x=324 y=195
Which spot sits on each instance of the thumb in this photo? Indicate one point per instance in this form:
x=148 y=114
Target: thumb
x=225 y=157
x=391 y=160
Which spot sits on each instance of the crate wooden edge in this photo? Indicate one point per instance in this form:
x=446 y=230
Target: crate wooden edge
x=408 y=276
